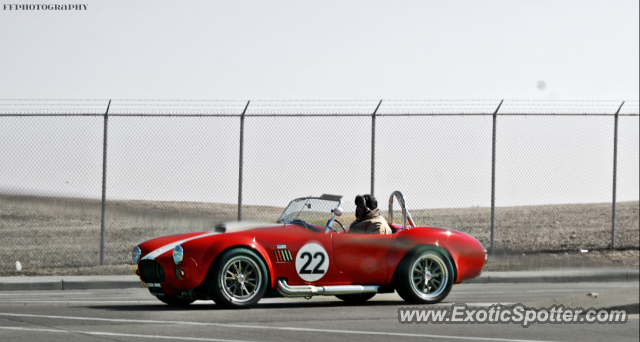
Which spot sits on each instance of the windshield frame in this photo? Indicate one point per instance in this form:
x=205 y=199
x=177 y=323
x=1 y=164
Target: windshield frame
x=331 y=215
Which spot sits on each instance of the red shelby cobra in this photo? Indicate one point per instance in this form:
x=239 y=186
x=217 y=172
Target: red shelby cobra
x=307 y=253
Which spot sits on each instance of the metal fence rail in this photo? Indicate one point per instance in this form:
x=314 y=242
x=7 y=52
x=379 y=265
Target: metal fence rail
x=473 y=154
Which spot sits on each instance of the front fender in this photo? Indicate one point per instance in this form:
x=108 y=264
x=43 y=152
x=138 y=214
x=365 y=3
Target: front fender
x=207 y=253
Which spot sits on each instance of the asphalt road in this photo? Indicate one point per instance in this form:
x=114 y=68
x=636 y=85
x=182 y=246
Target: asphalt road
x=134 y=315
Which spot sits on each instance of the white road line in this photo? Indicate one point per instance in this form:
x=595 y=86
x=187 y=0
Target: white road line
x=161 y=337
x=97 y=333
x=29 y=294
x=33 y=329
x=226 y=325
x=476 y=288
x=473 y=304
x=520 y=292
x=196 y=303
x=80 y=301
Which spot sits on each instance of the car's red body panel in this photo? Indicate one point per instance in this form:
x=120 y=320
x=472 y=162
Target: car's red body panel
x=353 y=259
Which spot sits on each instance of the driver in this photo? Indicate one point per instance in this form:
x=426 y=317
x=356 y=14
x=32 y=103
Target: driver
x=368 y=218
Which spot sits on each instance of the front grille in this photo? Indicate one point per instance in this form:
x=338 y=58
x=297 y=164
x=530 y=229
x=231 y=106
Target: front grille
x=152 y=271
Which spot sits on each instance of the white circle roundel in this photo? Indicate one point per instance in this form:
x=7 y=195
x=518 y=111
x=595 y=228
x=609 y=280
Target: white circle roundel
x=312 y=262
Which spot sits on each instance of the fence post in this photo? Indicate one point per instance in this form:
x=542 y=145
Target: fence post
x=241 y=161
x=615 y=176
x=104 y=183
x=373 y=146
x=493 y=177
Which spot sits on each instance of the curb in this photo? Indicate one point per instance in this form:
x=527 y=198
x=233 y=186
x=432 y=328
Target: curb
x=69 y=283
x=45 y=285
x=93 y=285
x=630 y=309
x=566 y=276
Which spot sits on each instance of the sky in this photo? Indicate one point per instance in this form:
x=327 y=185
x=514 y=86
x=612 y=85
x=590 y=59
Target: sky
x=283 y=50
x=329 y=50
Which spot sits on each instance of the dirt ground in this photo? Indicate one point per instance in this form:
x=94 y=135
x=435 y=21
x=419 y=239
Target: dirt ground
x=541 y=261
x=61 y=236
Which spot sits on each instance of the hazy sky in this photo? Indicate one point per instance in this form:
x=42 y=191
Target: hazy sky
x=525 y=49
x=355 y=50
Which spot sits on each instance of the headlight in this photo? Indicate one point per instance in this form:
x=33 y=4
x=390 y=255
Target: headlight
x=135 y=254
x=178 y=254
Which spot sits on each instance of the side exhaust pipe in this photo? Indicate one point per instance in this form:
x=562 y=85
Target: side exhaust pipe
x=310 y=290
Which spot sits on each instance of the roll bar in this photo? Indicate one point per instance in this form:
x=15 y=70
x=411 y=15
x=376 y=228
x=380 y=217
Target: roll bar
x=406 y=216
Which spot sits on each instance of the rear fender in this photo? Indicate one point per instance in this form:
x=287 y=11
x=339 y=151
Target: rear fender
x=411 y=253
x=403 y=246
x=465 y=252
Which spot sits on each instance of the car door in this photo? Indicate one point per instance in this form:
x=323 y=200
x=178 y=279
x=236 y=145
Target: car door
x=360 y=252
x=302 y=256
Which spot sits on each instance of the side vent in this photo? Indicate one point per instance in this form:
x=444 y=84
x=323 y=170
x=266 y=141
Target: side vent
x=283 y=255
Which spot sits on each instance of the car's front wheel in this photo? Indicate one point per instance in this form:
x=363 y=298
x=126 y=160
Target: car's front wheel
x=239 y=279
x=425 y=277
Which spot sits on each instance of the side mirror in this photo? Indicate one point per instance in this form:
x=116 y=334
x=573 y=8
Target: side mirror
x=337 y=211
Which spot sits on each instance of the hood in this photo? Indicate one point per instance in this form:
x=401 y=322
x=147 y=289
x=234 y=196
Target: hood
x=240 y=226
x=150 y=249
x=153 y=248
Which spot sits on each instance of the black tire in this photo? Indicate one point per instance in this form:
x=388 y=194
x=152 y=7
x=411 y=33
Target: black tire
x=417 y=286
x=177 y=302
x=238 y=271
x=356 y=298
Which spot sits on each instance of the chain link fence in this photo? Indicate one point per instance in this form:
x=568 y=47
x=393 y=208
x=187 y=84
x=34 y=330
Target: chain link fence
x=165 y=167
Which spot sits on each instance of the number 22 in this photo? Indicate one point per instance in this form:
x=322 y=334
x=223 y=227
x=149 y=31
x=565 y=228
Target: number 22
x=316 y=269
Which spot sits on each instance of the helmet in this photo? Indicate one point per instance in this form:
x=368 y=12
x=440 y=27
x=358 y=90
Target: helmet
x=364 y=205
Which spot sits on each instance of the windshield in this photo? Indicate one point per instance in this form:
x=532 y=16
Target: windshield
x=311 y=210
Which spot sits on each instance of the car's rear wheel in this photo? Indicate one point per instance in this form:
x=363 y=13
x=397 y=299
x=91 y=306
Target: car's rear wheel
x=425 y=277
x=239 y=279
x=174 y=301
x=356 y=298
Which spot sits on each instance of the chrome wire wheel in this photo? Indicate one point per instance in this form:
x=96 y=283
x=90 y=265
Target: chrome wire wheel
x=429 y=276
x=241 y=279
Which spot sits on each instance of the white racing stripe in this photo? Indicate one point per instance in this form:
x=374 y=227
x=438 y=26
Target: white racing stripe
x=259 y=327
x=98 y=333
x=163 y=249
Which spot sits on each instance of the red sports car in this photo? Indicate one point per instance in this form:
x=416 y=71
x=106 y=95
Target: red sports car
x=307 y=253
